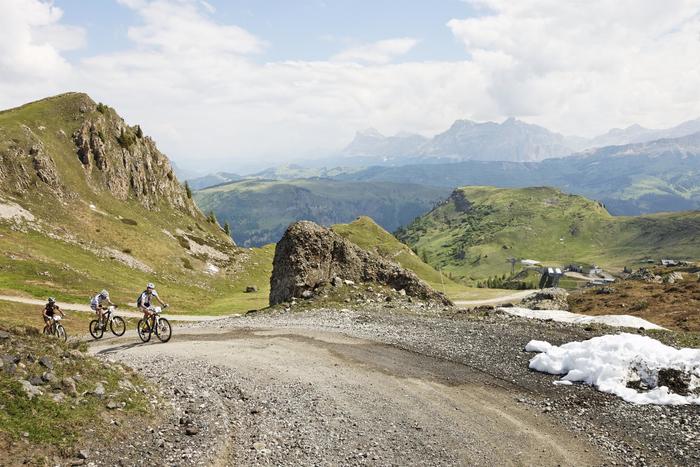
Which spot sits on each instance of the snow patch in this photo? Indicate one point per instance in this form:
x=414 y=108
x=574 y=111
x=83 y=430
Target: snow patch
x=211 y=269
x=639 y=369
x=626 y=321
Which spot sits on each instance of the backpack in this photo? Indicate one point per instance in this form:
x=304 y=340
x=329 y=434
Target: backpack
x=139 y=301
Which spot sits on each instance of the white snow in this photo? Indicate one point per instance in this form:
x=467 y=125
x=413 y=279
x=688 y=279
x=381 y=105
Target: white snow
x=211 y=269
x=610 y=362
x=568 y=317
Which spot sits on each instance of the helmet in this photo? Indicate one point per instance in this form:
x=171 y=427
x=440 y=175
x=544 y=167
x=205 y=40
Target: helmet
x=104 y=294
x=52 y=300
x=150 y=285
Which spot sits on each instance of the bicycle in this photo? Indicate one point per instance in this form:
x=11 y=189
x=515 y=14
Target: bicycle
x=116 y=324
x=154 y=324
x=56 y=329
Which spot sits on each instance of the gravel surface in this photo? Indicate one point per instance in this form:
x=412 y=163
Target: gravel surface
x=380 y=386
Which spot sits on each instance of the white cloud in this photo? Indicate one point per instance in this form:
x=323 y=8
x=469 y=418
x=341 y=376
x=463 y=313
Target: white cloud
x=379 y=52
x=587 y=66
x=196 y=85
x=31 y=41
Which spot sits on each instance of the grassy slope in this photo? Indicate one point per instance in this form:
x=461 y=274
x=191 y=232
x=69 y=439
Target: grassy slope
x=543 y=224
x=74 y=272
x=59 y=427
x=260 y=210
x=370 y=236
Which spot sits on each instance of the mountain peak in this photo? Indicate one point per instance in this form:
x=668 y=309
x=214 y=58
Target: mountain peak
x=369 y=133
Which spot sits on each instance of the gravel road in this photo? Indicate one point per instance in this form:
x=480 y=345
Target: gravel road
x=385 y=387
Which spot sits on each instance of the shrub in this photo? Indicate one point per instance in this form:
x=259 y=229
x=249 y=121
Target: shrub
x=101 y=108
x=188 y=190
x=126 y=139
x=129 y=221
x=227 y=228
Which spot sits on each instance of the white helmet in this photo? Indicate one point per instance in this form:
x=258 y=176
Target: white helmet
x=104 y=294
x=150 y=285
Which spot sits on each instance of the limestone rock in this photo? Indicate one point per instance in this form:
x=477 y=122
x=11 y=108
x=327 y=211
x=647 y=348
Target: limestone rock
x=309 y=256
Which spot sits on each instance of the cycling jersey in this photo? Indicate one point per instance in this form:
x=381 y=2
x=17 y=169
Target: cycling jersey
x=51 y=309
x=145 y=299
x=97 y=301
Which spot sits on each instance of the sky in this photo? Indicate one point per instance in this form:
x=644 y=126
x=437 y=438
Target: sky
x=242 y=85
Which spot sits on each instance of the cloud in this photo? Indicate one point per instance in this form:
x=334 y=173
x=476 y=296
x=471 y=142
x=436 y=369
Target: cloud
x=379 y=52
x=198 y=86
x=32 y=39
x=586 y=66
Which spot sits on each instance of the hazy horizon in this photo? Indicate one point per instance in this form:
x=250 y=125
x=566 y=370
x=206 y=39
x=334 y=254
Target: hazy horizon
x=245 y=85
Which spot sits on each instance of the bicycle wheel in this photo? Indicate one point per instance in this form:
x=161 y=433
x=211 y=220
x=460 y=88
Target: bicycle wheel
x=61 y=333
x=144 y=330
x=164 y=331
x=118 y=326
x=96 y=329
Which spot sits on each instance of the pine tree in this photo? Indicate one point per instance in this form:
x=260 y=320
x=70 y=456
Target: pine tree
x=188 y=190
x=227 y=228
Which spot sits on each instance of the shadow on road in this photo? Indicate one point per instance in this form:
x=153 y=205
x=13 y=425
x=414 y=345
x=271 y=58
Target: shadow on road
x=117 y=348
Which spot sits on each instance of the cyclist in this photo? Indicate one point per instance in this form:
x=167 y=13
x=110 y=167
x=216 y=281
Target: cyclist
x=98 y=303
x=144 y=300
x=48 y=313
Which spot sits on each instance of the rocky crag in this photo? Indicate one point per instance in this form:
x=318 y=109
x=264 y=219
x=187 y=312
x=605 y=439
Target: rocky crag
x=114 y=156
x=309 y=257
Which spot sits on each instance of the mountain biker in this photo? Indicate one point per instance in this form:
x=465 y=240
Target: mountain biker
x=144 y=300
x=49 y=311
x=97 y=303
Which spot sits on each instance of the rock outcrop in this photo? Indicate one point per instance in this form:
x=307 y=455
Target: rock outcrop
x=547 y=299
x=310 y=256
x=114 y=156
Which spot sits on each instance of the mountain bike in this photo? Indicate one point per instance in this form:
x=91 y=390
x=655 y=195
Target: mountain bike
x=155 y=324
x=56 y=329
x=116 y=324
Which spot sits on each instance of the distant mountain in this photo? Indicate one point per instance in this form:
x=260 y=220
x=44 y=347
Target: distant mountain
x=639 y=134
x=260 y=210
x=371 y=142
x=218 y=178
x=512 y=140
x=475 y=231
x=662 y=175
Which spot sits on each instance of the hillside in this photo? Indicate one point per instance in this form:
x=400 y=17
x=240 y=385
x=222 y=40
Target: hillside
x=367 y=234
x=260 y=210
x=477 y=229
x=662 y=175
x=88 y=202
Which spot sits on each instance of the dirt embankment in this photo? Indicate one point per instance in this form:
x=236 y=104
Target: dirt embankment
x=667 y=297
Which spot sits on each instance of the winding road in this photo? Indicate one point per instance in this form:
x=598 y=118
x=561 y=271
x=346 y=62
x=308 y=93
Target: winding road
x=324 y=398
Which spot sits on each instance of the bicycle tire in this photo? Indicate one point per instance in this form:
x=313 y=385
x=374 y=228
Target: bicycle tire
x=164 y=330
x=143 y=330
x=61 y=333
x=119 y=328
x=96 y=331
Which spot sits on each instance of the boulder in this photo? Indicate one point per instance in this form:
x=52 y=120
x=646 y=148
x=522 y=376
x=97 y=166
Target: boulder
x=251 y=289
x=309 y=256
x=547 y=299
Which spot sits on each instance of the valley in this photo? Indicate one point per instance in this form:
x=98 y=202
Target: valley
x=392 y=324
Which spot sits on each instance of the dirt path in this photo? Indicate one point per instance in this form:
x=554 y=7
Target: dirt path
x=514 y=297
x=318 y=397
x=120 y=311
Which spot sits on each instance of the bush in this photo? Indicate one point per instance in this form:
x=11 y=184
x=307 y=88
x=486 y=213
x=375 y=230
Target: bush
x=126 y=139
x=188 y=190
x=129 y=221
x=101 y=108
